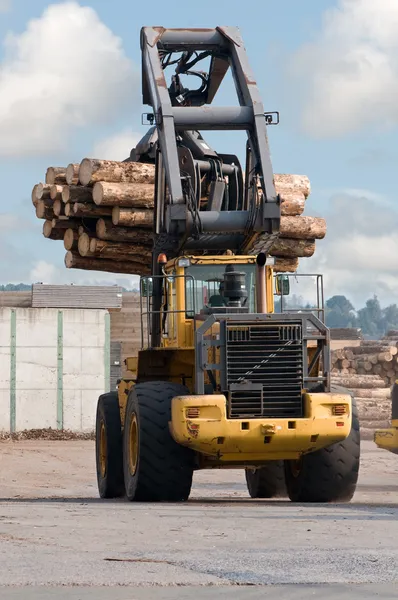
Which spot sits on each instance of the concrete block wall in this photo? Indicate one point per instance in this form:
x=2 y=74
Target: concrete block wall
x=54 y=363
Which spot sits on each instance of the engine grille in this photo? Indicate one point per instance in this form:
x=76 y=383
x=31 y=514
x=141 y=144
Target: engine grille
x=264 y=369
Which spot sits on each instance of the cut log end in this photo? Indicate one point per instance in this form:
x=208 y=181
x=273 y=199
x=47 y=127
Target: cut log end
x=72 y=174
x=56 y=175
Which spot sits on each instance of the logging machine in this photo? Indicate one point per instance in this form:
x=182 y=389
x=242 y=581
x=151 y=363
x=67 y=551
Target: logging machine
x=388 y=438
x=222 y=379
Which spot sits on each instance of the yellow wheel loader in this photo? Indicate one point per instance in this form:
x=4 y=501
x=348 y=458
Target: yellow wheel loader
x=388 y=438
x=223 y=379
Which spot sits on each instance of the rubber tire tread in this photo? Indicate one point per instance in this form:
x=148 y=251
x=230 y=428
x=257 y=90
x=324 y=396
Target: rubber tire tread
x=329 y=474
x=112 y=485
x=164 y=468
x=267 y=481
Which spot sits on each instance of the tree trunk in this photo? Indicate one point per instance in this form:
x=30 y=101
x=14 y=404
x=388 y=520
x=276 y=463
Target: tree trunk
x=50 y=233
x=130 y=217
x=119 y=251
x=72 y=174
x=292 y=203
x=135 y=195
x=42 y=191
x=92 y=170
x=43 y=211
x=106 y=231
x=74 y=261
x=77 y=193
x=303 y=228
x=286 y=265
x=291 y=248
x=292 y=183
x=90 y=210
x=56 y=175
x=358 y=381
x=83 y=245
x=375 y=394
x=59 y=208
x=56 y=192
x=71 y=238
x=65 y=223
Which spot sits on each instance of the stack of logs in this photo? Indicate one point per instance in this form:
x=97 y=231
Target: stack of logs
x=373 y=400
x=378 y=358
x=103 y=212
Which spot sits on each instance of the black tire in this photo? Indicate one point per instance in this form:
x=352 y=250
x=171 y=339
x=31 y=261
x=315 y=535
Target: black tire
x=160 y=470
x=267 y=481
x=329 y=474
x=110 y=468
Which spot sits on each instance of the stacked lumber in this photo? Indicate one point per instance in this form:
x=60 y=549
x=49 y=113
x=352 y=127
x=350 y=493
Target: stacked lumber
x=372 y=397
x=378 y=358
x=103 y=212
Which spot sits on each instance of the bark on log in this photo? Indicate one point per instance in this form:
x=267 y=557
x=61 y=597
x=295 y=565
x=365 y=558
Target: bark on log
x=303 y=228
x=291 y=248
x=374 y=394
x=92 y=170
x=89 y=210
x=76 y=193
x=43 y=191
x=56 y=192
x=108 y=232
x=134 y=195
x=72 y=173
x=345 y=364
x=71 y=238
x=118 y=251
x=287 y=183
x=43 y=211
x=34 y=194
x=372 y=349
x=74 y=261
x=65 y=223
x=47 y=228
x=286 y=265
x=292 y=203
x=56 y=175
x=130 y=217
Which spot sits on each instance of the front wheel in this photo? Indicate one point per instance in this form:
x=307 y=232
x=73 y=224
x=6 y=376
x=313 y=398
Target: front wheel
x=267 y=481
x=156 y=468
x=329 y=474
x=108 y=447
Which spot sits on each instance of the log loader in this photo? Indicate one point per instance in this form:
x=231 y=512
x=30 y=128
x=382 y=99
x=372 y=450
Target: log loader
x=388 y=438
x=223 y=380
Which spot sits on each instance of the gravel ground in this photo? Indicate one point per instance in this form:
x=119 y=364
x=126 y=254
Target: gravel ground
x=54 y=531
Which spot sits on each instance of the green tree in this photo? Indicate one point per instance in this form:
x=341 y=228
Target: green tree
x=370 y=318
x=340 y=312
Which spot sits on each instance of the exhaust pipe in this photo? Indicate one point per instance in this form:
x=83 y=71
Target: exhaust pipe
x=261 y=286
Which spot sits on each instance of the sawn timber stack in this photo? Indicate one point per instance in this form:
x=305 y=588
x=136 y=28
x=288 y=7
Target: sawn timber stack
x=104 y=212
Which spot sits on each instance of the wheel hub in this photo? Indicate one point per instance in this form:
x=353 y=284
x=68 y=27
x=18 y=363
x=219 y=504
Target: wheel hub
x=102 y=449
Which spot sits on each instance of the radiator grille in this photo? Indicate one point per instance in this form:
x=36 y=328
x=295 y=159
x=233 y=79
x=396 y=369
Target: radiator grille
x=265 y=369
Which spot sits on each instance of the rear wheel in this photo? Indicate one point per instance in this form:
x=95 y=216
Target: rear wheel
x=156 y=468
x=329 y=474
x=108 y=447
x=267 y=481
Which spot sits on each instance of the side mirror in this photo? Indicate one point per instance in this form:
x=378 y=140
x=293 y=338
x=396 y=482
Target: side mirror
x=282 y=285
x=146 y=287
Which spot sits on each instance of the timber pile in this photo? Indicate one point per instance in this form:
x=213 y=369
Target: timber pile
x=379 y=358
x=103 y=212
x=373 y=400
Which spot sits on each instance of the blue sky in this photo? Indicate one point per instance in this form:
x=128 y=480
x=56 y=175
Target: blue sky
x=329 y=67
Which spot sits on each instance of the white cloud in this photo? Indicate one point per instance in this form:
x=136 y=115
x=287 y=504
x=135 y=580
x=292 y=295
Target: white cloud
x=66 y=70
x=117 y=146
x=358 y=256
x=348 y=75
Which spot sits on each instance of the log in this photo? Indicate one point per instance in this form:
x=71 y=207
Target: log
x=74 y=261
x=56 y=175
x=303 y=228
x=83 y=245
x=289 y=183
x=50 y=233
x=291 y=248
x=377 y=369
x=358 y=381
x=118 y=251
x=43 y=211
x=375 y=393
x=130 y=217
x=345 y=364
x=89 y=210
x=292 y=203
x=131 y=195
x=56 y=192
x=286 y=265
x=108 y=232
x=72 y=174
x=93 y=170
x=43 y=191
x=372 y=349
x=34 y=194
x=65 y=223
x=76 y=193
x=87 y=226
x=71 y=238
x=59 y=208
